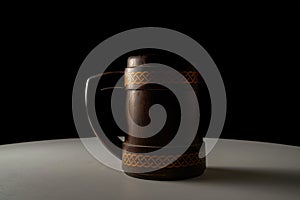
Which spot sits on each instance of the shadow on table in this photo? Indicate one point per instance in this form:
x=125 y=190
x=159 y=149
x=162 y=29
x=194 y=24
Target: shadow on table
x=250 y=176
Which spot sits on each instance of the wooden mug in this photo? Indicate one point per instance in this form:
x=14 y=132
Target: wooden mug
x=139 y=99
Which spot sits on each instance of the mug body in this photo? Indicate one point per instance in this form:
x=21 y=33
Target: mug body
x=139 y=157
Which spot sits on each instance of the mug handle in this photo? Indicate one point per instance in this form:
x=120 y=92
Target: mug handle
x=109 y=131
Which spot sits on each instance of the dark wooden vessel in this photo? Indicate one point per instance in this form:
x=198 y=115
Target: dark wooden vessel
x=139 y=100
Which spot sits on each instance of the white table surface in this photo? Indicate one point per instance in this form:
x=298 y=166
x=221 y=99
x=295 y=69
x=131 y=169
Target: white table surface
x=63 y=169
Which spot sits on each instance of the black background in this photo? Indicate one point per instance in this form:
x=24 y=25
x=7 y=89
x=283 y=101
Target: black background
x=256 y=54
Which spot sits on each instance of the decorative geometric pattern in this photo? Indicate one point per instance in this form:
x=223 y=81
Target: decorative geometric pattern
x=192 y=77
x=160 y=161
x=137 y=78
